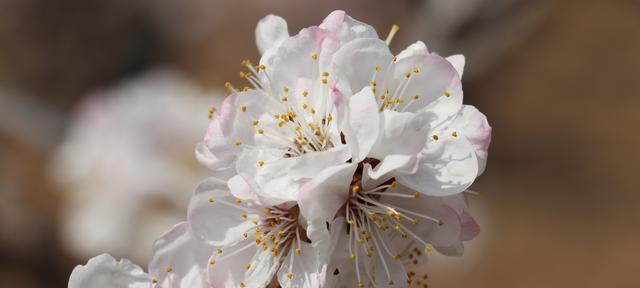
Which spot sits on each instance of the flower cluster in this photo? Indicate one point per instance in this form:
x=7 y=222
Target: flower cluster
x=339 y=166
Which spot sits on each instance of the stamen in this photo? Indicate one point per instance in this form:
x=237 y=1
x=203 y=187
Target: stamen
x=394 y=30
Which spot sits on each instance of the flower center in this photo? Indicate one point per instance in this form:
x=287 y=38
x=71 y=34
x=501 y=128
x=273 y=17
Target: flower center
x=276 y=229
x=368 y=216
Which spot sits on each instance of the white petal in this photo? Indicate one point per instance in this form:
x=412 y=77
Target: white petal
x=230 y=271
x=402 y=133
x=474 y=126
x=180 y=259
x=215 y=222
x=270 y=32
x=449 y=165
x=292 y=59
x=391 y=166
x=308 y=268
x=434 y=75
x=458 y=62
x=321 y=197
x=364 y=122
x=357 y=61
x=384 y=267
x=417 y=48
x=104 y=271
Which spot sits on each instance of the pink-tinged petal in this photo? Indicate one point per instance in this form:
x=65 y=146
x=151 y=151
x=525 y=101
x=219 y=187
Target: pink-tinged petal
x=364 y=123
x=417 y=48
x=357 y=60
x=474 y=126
x=180 y=259
x=104 y=271
x=231 y=271
x=449 y=166
x=458 y=62
x=270 y=32
x=346 y=28
x=470 y=228
x=211 y=217
x=232 y=126
x=402 y=133
x=321 y=197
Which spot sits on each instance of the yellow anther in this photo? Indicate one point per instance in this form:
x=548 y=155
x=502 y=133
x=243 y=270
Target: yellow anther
x=267 y=211
x=395 y=58
x=374 y=83
x=353 y=256
x=238 y=200
x=154 y=280
x=391 y=283
x=255 y=222
x=212 y=262
x=313 y=111
x=238 y=143
x=325 y=74
x=285 y=89
x=285 y=99
x=416 y=97
x=219 y=250
x=298 y=250
x=329 y=118
x=262 y=67
x=435 y=137
x=245 y=215
x=244 y=108
x=429 y=249
x=355 y=188
x=242 y=285
x=211 y=200
x=304 y=106
x=361 y=284
x=247 y=266
x=440 y=222
x=382 y=97
x=314 y=56
x=290 y=276
x=257 y=67
x=416 y=70
x=245 y=62
x=305 y=93
x=280 y=123
x=245 y=88
x=407 y=75
x=212 y=111
x=255 y=122
x=168 y=269
x=351 y=222
x=298 y=128
x=373 y=89
x=245 y=235
x=228 y=85
x=394 y=184
x=447 y=93
x=415 y=221
x=260 y=163
x=454 y=134
x=324 y=81
x=416 y=194
x=378 y=68
x=242 y=74
x=260 y=131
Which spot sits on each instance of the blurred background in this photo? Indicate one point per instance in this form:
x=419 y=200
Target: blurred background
x=101 y=103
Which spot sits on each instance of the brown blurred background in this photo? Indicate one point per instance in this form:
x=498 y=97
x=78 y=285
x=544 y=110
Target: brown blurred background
x=557 y=80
